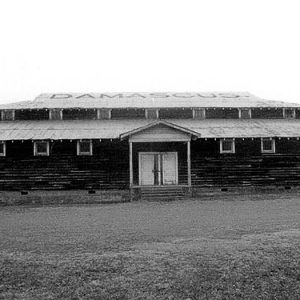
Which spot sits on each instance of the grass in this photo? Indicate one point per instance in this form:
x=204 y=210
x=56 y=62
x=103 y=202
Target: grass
x=176 y=250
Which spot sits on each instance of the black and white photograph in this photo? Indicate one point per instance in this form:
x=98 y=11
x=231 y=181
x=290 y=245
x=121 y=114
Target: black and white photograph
x=149 y=150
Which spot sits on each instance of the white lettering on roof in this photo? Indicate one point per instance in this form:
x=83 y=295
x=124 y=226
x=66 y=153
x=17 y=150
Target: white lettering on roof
x=142 y=95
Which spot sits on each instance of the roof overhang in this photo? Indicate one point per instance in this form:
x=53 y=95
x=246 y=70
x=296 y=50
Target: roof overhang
x=116 y=129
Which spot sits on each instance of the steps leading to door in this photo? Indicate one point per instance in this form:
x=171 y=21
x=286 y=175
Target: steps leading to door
x=165 y=193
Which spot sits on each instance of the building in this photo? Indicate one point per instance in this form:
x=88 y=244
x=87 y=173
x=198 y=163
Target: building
x=140 y=142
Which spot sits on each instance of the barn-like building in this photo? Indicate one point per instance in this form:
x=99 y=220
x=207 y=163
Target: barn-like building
x=149 y=143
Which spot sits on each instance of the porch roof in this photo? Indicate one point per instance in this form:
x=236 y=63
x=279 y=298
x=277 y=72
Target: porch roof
x=176 y=127
x=114 y=129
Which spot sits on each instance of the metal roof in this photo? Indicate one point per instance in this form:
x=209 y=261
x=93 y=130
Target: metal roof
x=146 y=100
x=112 y=129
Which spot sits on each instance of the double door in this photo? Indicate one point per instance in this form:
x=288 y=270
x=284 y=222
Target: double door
x=158 y=168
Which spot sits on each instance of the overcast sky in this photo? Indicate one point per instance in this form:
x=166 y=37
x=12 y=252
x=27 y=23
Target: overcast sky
x=155 y=45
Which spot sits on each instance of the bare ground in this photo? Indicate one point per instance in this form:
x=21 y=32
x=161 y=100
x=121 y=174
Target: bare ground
x=232 y=248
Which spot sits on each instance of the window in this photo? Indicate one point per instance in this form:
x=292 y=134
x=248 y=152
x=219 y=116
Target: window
x=268 y=146
x=199 y=113
x=41 y=148
x=245 y=113
x=2 y=149
x=227 y=146
x=151 y=113
x=104 y=114
x=85 y=147
x=8 y=115
x=55 y=114
x=289 y=113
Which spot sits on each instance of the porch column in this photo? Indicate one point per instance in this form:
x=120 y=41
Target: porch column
x=189 y=162
x=130 y=165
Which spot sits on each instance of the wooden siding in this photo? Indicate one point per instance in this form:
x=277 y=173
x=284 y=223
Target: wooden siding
x=108 y=168
x=79 y=114
x=35 y=114
x=218 y=113
x=148 y=113
x=128 y=113
x=175 y=113
x=267 y=113
x=248 y=167
x=63 y=169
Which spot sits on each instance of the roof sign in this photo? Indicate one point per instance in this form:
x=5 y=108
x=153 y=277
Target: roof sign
x=143 y=95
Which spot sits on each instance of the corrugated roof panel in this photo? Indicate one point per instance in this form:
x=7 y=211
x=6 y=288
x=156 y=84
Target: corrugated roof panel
x=146 y=100
x=244 y=128
x=111 y=129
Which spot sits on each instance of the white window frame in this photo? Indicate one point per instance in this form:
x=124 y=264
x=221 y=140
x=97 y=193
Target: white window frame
x=156 y=112
x=197 y=109
x=273 y=150
x=85 y=153
x=4 y=149
x=232 y=146
x=36 y=153
x=240 y=113
x=293 y=115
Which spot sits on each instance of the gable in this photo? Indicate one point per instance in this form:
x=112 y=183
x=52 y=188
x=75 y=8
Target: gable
x=160 y=133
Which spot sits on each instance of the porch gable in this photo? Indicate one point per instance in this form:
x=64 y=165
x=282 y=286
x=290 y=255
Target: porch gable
x=160 y=132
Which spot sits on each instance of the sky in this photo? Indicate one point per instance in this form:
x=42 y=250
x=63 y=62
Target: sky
x=149 y=46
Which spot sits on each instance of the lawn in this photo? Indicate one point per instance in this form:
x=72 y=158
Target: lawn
x=239 y=247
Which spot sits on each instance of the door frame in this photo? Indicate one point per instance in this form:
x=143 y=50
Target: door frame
x=160 y=164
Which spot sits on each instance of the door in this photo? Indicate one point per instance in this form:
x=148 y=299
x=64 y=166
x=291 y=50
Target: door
x=148 y=168
x=158 y=168
x=169 y=168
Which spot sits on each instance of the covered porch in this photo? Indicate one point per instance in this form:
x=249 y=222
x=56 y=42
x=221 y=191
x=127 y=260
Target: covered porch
x=160 y=156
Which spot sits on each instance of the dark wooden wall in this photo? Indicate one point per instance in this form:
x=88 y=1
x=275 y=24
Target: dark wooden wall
x=128 y=113
x=35 y=114
x=267 y=113
x=79 y=114
x=139 y=113
x=63 y=169
x=247 y=167
x=175 y=113
x=108 y=168
x=225 y=113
